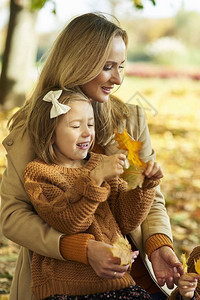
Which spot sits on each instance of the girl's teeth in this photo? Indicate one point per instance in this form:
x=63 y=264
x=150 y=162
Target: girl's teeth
x=83 y=145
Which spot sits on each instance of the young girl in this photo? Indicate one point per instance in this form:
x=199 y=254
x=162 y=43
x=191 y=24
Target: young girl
x=189 y=284
x=89 y=55
x=75 y=191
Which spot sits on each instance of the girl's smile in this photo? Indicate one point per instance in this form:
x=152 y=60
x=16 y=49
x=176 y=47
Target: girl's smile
x=74 y=134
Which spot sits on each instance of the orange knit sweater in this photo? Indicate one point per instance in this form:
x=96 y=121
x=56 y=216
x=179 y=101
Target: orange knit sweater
x=69 y=200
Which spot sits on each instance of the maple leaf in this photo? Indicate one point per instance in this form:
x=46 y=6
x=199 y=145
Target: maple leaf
x=127 y=143
x=122 y=249
x=184 y=262
x=197 y=266
x=134 y=174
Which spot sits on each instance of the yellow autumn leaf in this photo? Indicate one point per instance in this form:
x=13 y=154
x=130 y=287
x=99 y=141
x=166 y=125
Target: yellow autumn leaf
x=134 y=174
x=197 y=266
x=122 y=249
x=184 y=262
x=127 y=143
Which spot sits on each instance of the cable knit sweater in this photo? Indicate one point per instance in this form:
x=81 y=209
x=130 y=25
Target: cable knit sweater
x=69 y=200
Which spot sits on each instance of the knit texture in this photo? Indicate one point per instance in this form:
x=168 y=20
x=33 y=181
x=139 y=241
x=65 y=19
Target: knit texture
x=70 y=246
x=156 y=241
x=139 y=272
x=69 y=201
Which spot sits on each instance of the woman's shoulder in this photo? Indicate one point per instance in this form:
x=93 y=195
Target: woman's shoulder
x=136 y=122
x=135 y=109
x=18 y=142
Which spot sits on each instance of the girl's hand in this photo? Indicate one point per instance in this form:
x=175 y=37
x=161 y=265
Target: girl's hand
x=134 y=255
x=153 y=170
x=187 y=285
x=109 y=167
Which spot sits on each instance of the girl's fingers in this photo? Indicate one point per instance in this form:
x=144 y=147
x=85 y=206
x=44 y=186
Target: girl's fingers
x=153 y=170
x=148 y=170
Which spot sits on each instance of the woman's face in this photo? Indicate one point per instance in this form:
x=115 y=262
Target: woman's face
x=101 y=86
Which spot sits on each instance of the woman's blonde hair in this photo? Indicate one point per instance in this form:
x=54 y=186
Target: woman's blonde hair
x=41 y=127
x=77 y=56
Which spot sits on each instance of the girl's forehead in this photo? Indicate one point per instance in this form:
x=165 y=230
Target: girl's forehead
x=82 y=109
x=80 y=106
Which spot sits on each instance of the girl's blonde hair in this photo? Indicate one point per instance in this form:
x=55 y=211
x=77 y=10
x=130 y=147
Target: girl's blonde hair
x=41 y=127
x=77 y=56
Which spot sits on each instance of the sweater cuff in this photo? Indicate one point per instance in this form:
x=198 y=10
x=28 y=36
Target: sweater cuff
x=74 y=247
x=156 y=241
x=87 y=187
x=150 y=183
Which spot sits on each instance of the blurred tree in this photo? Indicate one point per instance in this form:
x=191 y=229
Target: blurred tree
x=20 y=52
x=21 y=49
x=139 y=3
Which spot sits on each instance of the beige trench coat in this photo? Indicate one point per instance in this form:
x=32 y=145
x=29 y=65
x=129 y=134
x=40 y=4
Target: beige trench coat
x=22 y=225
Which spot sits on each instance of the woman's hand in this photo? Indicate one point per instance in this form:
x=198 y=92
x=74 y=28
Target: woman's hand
x=167 y=268
x=109 y=167
x=187 y=285
x=153 y=170
x=103 y=262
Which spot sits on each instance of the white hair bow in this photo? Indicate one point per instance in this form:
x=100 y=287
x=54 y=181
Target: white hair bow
x=57 y=108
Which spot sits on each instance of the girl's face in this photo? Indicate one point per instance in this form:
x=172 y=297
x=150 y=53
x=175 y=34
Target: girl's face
x=101 y=86
x=74 y=134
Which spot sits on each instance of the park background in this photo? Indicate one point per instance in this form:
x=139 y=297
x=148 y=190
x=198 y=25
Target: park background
x=163 y=76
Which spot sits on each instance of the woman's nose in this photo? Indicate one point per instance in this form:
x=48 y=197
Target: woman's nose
x=116 y=77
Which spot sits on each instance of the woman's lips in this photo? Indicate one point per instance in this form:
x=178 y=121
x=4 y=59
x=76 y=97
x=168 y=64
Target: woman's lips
x=106 y=89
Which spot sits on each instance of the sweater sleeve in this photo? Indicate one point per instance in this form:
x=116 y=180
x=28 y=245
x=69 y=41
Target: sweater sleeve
x=60 y=213
x=70 y=246
x=156 y=241
x=131 y=207
x=19 y=221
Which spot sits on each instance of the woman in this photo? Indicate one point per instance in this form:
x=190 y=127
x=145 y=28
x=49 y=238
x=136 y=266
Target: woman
x=84 y=58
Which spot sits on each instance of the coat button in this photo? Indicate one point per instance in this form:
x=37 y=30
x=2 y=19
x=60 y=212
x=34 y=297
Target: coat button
x=9 y=142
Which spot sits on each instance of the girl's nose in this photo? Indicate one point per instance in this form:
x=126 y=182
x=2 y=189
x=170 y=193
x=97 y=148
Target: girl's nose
x=86 y=131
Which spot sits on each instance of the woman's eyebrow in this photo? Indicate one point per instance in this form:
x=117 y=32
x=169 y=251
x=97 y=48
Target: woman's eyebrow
x=114 y=62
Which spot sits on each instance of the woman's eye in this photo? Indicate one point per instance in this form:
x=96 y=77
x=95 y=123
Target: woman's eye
x=107 y=68
x=75 y=126
x=90 y=125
